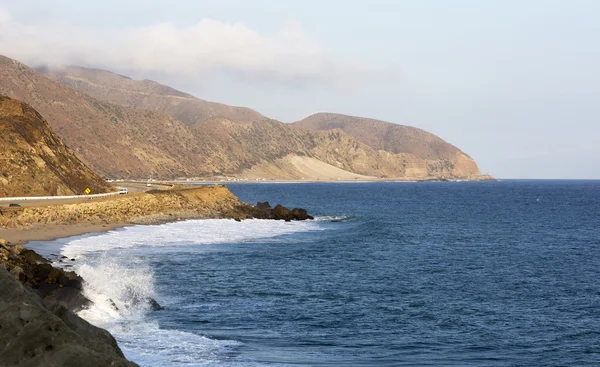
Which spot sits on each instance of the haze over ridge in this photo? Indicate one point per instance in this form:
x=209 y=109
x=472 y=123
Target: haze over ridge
x=512 y=83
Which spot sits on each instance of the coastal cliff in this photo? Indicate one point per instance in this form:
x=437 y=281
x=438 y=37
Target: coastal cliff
x=33 y=159
x=424 y=155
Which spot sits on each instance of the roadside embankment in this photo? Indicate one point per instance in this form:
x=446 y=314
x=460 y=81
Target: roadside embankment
x=205 y=202
x=155 y=206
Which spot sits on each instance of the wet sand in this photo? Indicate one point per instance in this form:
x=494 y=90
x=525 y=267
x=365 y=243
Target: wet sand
x=50 y=232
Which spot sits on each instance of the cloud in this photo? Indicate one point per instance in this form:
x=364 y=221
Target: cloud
x=289 y=56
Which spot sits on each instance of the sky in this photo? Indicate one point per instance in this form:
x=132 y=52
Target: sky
x=514 y=84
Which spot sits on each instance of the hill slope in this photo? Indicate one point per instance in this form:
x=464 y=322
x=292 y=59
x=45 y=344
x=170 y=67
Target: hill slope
x=117 y=136
x=150 y=95
x=34 y=161
x=255 y=149
x=113 y=140
x=441 y=157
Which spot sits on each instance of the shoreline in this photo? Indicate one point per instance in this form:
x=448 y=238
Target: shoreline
x=235 y=180
x=155 y=207
x=52 y=232
x=51 y=295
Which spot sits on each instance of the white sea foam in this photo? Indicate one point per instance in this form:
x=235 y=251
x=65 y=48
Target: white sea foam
x=192 y=232
x=118 y=291
x=119 y=282
x=341 y=218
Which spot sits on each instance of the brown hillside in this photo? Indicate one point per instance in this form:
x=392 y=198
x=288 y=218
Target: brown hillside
x=34 y=161
x=117 y=139
x=397 y=139
x=237 y=148
x=113 y=140
x=150 y=95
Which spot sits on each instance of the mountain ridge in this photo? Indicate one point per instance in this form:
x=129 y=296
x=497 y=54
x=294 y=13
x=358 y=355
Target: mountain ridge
x=111 y=130
x=148 y=94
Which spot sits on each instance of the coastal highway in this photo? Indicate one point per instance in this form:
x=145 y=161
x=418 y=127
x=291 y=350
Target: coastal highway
x=132 y=187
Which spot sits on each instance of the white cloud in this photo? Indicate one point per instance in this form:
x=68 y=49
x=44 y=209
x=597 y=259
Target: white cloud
x=287 y=57
x=4 y=15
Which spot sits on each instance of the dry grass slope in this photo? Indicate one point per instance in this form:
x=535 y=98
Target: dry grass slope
x=441 y=157
x=150 y=95
x=34 y=161
x=134 y=129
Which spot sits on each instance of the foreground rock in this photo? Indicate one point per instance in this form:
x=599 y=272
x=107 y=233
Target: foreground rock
x=35 y=332
x=49 y=283
x=265 y=211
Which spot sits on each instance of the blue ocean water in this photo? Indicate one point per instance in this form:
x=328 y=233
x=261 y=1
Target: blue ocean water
x=467 y=273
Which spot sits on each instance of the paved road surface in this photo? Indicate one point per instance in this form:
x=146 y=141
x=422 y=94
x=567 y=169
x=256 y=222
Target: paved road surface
x=130 y=186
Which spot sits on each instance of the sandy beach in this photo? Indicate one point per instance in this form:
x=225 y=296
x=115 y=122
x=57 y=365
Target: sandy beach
x=50 y=232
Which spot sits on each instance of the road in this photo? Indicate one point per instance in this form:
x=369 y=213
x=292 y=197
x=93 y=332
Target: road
x=130 y=186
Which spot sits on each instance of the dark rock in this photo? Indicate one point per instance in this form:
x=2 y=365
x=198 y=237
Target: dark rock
x=44 y=333
x=32 y=257
x=48 y=282
x=300 y=214
x=136 y=299
x=281 y=212
x=237 y=219
x=154 y=306
x=113 y=305
x=264 y=211
x=13 y=257
x=68 y=297
x=19 y=274
x=263 y=206
x=46 y=273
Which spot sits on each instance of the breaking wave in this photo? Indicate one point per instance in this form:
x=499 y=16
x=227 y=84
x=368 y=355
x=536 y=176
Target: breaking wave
x=119 y=280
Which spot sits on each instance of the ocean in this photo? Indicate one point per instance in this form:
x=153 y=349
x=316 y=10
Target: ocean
x=499 y=273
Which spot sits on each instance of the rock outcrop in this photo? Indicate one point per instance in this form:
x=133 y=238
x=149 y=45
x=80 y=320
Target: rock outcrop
x=36 y=332
x=150 y=207
x=49 y=283
x=34 y=161
x=265 y=211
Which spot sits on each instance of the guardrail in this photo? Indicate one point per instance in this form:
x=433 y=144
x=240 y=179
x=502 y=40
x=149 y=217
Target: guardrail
x=58 y=197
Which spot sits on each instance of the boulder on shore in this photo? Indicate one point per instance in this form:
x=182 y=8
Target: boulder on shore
x=265 y=211
x=48 y=282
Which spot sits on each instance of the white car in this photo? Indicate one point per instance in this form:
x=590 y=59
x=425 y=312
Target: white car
x=123 y=192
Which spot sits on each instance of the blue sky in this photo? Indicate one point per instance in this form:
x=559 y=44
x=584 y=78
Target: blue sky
x=515 y=84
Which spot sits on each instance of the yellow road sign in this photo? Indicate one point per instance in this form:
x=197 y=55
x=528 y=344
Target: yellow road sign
x=87 y=190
